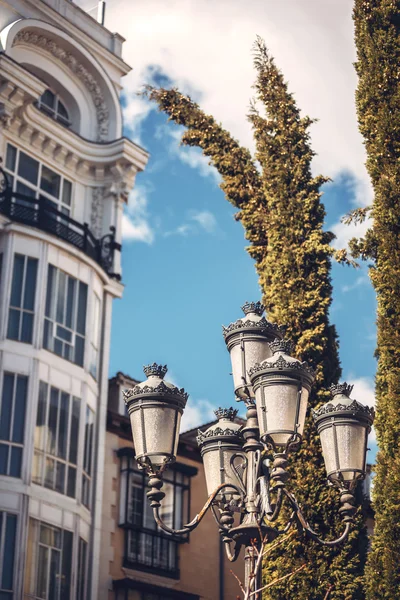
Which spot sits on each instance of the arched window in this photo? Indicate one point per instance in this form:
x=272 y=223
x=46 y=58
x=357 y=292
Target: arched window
x=50 y=103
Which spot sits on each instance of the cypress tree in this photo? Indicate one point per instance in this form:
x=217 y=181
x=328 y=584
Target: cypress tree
x=377 y=34
x=281 y=210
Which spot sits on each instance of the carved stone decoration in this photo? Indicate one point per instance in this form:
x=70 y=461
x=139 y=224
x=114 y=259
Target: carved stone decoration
x=96 y=215
x=67 y=58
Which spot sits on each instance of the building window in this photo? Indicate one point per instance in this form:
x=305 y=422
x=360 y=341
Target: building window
x=65 y=316
x=56 y=440
x=12 y=423
x=48 y=571
x=22 y=299
x=88 y=458
x=8 y=530
x=50 y=103
x=82 y=570
x=30 y=177
x=146 y=546
x=95 y=336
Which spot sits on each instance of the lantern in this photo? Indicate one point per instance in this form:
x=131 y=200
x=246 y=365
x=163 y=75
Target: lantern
x=218 y=445
x=343 y=425
x=281 y=385
x=247 y=342
x=155 y=408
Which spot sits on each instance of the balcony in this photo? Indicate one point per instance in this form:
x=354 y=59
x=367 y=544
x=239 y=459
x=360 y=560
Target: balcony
x=36 y=213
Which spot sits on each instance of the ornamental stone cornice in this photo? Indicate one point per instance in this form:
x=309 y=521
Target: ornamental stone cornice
x=49 y=44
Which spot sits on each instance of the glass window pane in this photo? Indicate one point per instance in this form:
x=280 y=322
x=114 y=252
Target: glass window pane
x=71 y=482
x=62 y=110
x=28 y=168
x=6 y=406
x=16 y=461
x=79 y=350
x=54 y=579
x=49 y=473
x=70 y=302
x=67 y=192
x=17 y=280
x=58 y=347
x=11 y=157
x=40 y=429
x=27 y=327
x=60 y=477
x=52 y=422
x=81 y=587
x=4 y=459
x=66 y=566
x=13 y=324
x=62 y=284
x=63 y=426
x=50 y=182
x=82 y=301
x=9 y=553
x=42 y=569
x=74 y=432
x=27 y=191
x=50 y=290
x=19 y=410
x=30 y=283
x=64 y=334
x=48 y=335
x=37 y=467
x=48 y=98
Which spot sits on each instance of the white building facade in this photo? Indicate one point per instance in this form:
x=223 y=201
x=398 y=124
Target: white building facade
x=67 y=171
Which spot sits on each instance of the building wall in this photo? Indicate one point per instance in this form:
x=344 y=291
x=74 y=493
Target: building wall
x=54 y=45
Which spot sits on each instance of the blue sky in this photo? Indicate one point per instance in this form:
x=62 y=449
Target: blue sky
x=184 y=266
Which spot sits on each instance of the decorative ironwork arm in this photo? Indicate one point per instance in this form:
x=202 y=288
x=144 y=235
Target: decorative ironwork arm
x=231 y=556
x=347 y=510
x=155 y=496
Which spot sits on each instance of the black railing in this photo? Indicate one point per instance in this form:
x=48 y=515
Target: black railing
x=151 y=551
x=38 y=213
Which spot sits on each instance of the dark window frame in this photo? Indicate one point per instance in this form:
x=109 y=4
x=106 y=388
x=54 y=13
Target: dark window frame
x=7 y=519
x=144 y=537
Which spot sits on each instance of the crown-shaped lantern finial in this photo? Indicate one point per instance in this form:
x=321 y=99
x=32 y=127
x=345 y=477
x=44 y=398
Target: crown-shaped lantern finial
x=278 y=345
x=253 y=307
x=341 y=388
x=155 y=370
x=226 y=413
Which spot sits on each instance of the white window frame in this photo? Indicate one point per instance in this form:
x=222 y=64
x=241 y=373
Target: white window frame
x=41 y=453
x=22 y=310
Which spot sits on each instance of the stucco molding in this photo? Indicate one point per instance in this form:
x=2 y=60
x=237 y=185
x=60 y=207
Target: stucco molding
x=50 y=45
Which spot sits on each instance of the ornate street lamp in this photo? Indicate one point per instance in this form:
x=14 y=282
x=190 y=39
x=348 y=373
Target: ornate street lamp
x=275 y=387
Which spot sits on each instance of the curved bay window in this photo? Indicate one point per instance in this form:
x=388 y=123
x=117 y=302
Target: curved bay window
x=30 y=177
x=146 y=546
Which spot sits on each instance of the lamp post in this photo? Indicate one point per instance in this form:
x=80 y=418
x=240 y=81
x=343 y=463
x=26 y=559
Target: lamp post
x=247 y=492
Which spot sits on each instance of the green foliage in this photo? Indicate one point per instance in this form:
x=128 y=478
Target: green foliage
x=377 y=28
x=281 y=211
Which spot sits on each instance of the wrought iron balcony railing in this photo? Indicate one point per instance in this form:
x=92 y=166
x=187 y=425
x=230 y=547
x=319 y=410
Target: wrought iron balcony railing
x=37 y=213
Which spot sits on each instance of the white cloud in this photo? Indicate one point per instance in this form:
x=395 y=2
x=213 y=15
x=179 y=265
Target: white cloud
x=344 y=233
x=204 y=46
x=360 y=281
x=135 y=225
x=364 y=392
x=206 y=220
x=202 y=220
x=196 y=414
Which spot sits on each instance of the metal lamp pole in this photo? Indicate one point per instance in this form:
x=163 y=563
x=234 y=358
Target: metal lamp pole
x=246 y=492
